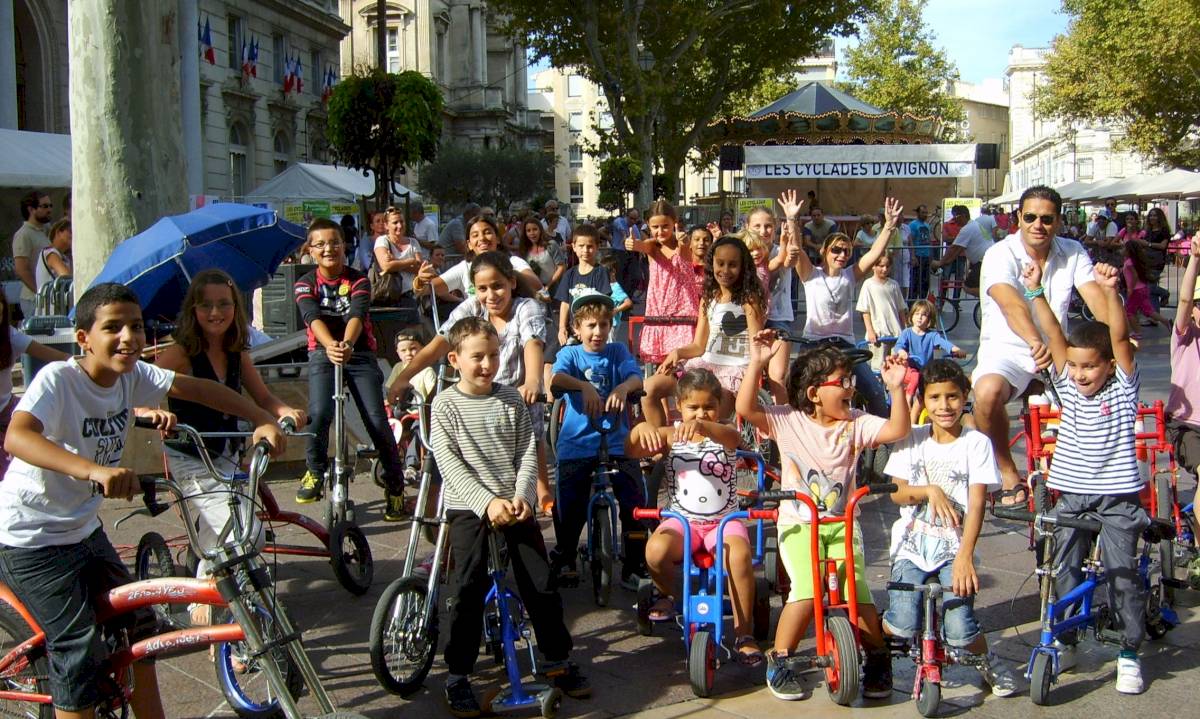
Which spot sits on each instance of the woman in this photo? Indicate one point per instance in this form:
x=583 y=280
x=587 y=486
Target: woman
x=545 y=258
x=395 y=253
x=483 y=235
x=1156 y=239
x=55 y=260
x=865 y=237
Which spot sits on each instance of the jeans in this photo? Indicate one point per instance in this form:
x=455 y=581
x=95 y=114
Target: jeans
x=574 y=491
x=365 y=381
x=865 y=381
x=905 y=615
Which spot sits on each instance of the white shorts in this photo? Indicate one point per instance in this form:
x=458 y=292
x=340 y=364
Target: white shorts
x=1014 y=364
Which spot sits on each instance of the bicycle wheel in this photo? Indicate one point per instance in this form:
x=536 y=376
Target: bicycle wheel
x=948 y=314
x=243 y=678
x=350 y=556
x=977 y=315
x=30 y=674
x=153 y=561
x=554 y=421
x=842 y=674
x=601 y=541
x=401 y=648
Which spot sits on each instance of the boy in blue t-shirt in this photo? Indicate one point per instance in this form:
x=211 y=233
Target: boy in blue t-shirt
x=597 y=377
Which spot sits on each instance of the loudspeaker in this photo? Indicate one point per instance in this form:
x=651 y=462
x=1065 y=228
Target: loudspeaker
x=732 y=157
x=987 y=156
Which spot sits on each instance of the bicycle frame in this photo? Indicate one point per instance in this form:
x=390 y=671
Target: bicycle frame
x=1093 y=576
x=510 y=630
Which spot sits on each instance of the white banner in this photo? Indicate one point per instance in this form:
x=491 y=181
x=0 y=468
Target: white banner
x=859 y=161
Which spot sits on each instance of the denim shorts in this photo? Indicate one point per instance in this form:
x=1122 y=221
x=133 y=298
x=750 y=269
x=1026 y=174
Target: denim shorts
x=905 y=614
x=58 y=585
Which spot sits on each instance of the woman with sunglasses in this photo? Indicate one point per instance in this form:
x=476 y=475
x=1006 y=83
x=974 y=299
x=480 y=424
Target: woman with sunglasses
x=829 y=291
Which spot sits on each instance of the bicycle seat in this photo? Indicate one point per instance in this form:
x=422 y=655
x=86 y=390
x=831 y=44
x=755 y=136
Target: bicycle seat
x=1159 y=530
x=703 y=558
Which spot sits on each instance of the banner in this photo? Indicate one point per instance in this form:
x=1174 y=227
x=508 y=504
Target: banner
x=974 y=204
x=746 y=204
x=859 y=162
x=861 y=170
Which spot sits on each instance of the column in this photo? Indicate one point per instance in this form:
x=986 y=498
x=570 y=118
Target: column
x=8 y=67
x=189 y=103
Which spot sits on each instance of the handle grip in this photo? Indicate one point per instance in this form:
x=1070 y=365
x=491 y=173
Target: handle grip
x=647 y=513
x=889 y=488
x=1016 y=513
x=144 y=423
x=901 y=586
x=778 y=495
x=768 y=514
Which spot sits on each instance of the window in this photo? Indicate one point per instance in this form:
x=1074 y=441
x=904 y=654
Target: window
x=708 y=185
x=576 y=156
x=318 y=71
x=739 y=184
x=393 y=49
x=606 y=121
x=279 y=53
x=576 y=122
x=283 y=152
x=238 y=168
x=442 y=31
x=576 y=193
x=574 y=86
x=235 y=33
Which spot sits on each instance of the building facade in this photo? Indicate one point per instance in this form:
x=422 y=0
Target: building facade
x=986 y=108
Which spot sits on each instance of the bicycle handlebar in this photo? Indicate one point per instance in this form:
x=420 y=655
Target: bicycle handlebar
x=1021 y=514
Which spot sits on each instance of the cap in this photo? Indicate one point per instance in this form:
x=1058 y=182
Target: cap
x=591 y=297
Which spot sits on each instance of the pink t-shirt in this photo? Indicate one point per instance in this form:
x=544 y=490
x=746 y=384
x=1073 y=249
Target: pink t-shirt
x=819 y=460
x=1183 y=404
x=1132 y=281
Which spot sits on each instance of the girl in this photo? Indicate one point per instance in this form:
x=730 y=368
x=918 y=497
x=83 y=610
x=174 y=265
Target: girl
x=702 y=484
x=14 y=343
x=210 y=342
x=55 y=260
x=734 y=305
x=1137 y=288
x=829 y=296
x=914 y=348
x=700 y=239
x=482 y=236
x=521 y=324
x=672 y=291
x=882 y=306
x=819 y=439
x=759 y=255
x=545 y=258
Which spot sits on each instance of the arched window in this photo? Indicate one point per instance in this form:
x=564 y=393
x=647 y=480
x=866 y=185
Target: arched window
x=283 y=152
x=239 y=165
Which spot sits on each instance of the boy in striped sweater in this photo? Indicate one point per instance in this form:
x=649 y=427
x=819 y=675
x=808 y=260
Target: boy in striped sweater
x=482 y=438
x=1095 y=465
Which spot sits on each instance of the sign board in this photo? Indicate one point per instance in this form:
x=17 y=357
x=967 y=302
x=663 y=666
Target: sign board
x=859 y=162
x=974 y=204
x=746 y=204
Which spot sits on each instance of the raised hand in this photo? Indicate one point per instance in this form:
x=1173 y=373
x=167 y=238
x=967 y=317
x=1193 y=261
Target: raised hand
x=892 y=211
x=764 y=346
x=1107 y=276
x=893 y=372
x=631 y=241
x=1031 y=275
x=789 y=204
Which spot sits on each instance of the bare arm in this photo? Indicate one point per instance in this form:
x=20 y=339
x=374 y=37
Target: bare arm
x=24 y=270
x=1031 y=277
x=37 y=350
x=55 y=262
x=952 y=253
x=899 y=424
x=1187 y=289
x=387 y=263
x=262 y=395
x=763 y=346
x=1097 y=302
x=892 y=210
x=1107 y=279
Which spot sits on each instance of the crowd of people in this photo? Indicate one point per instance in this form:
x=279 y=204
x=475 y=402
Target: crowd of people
x=538 y=306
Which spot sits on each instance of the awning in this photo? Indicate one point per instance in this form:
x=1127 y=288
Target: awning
x=34 y=159
x=309 y=181
x=862 y=162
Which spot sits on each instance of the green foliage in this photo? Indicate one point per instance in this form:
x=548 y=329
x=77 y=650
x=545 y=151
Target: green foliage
x=494 y=176
x=896 y=66
x=1135 y=63
x=744 y=101
x=619 y=176
x=383 y=121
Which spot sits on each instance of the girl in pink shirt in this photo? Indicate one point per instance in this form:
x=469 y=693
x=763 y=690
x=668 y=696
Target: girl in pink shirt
x=672 y=291
x=1137 y=300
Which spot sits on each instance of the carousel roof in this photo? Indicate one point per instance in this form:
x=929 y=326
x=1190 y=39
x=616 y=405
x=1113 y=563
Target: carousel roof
x=816 y=98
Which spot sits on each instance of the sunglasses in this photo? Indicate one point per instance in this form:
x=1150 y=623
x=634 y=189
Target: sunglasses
x=1029 y=218
x=839 y=250
x=845 y=382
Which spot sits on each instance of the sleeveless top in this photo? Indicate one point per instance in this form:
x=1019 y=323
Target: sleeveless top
x=206 y=419
x=728 y=334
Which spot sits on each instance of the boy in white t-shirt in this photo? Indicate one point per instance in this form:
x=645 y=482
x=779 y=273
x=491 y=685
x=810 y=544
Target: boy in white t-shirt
x=884 y=313
x=944 y=473
x=67 y=436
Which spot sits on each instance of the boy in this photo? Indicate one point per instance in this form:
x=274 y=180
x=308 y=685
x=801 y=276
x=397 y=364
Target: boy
x=597 y=377
x=334 y=303
x=1095 y=465
x=408 y=343
x=583 y=278
x=66 y=436
x=944 y=473
x=484 y=445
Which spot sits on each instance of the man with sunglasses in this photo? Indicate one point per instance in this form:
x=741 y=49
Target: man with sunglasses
x=1012 y=349
x=28 y=243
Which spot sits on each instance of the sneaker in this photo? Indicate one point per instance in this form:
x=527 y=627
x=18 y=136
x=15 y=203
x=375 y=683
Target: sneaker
x=567 y=678
x=877 y=676
x=632 y=581
x=424 y=567
x=999 y=675
x=1129 y=673
x=310 y=488
x=394 y=511
x=782 y=681
x=1066 y=656
x=461 y=699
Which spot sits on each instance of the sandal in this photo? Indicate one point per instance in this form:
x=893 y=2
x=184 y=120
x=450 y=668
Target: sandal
x=1018 y=494
x=752 y=658
x=663 y=610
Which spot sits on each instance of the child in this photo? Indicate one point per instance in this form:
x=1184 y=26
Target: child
x=580 y=279
x=672 y=291
x=13 y=344
x=484 y=446
x=483 y=235
x=1137 y=288
x=597 y=376
x=882 y=306
x=1183 y=404
x=1095 y=468
x=334 y=303
x=702 y=484
x=820 y=438
x=700 y=240
x=944 y=473
x=210 y=343
x=915 y=346
x=409 y=343
x=607 y=258
x=67 y=436
x=734 y=305
x=760 y=256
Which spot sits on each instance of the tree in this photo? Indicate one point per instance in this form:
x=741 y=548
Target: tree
x=619 y=176
x=896 y=66
x=381 y=121
x=495 y=176
x=666 y=67
x=1133 y=63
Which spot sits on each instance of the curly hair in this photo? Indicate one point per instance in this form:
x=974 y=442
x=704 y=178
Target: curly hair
x=747 y=291
x=809 y=370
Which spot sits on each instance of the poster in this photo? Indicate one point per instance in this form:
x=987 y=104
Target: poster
x=974 y=204
x=746 y=204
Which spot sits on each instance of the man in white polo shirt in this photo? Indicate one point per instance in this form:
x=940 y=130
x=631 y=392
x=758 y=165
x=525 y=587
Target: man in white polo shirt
x=973 y=240
x=1012 y=349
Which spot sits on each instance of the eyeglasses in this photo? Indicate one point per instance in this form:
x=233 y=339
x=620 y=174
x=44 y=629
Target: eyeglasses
x=839 y=250
x=321 y=246
x=845 y=382
x=1029 y=218
x=223 y=306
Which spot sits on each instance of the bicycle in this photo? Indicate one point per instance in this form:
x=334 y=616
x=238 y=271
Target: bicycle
x=261 y=637
x=944 y=303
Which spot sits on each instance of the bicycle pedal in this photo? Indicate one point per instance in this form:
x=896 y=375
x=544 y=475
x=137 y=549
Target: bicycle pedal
x=366 y=451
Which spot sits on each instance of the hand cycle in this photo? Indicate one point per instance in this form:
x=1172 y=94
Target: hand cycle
x=261 y=632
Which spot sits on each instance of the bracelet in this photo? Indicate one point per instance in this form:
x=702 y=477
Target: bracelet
x=1034 y=294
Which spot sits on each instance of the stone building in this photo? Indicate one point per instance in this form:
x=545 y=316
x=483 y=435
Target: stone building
x=986 y=108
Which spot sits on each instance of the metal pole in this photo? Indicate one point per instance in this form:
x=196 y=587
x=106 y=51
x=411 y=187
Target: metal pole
x=381 y=34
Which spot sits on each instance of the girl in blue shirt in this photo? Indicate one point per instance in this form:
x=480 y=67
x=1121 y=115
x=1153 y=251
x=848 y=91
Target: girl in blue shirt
x=916 y=345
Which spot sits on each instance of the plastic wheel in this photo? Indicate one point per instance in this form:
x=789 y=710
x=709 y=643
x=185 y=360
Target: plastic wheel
x=702 y=663
x=771 y=561
x=645 y=600
x=401 y=648
x=243 y=677
x=762 y=610
x=602 y=556
x=929 y=697
x=30 y=675
x=1156 y=629
x=350 y=556
x=551 y=702
x=1041 y=674
x=842 y=676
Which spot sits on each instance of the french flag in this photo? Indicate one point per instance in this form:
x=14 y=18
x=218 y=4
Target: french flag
x=245 y=59
x=289 y=75
x=207 y=49
x=299 y=75
x=327 y=85
x=254 y=57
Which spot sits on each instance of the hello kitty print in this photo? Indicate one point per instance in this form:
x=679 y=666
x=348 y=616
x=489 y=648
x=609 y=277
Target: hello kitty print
x=702 y=481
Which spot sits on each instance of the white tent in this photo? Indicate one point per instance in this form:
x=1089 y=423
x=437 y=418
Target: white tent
x=308 y=181
x=1171 y=185
x=34 y=159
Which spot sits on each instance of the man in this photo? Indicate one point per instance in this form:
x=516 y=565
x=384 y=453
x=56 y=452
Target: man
x=28 y=242
x=555 y=224
x=972 y=241
x=815 y=231
x=632 y=267
x=1012 y=349
x=1110 y=211
x=423 y=228
x=454 y=234
x=921 y=236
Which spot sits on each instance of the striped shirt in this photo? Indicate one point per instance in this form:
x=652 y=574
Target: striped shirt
x=484 y=448
x=1094 y=453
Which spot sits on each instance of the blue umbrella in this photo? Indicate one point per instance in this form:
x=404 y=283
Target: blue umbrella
x=245 y=241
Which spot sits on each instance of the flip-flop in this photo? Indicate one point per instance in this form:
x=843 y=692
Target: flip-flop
x=1018 y=491
x=663 y=610
x=749 y=659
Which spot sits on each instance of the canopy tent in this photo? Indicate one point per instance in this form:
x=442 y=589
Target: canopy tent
x=309 y=181
x=34 y=159
x=1171 y=185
